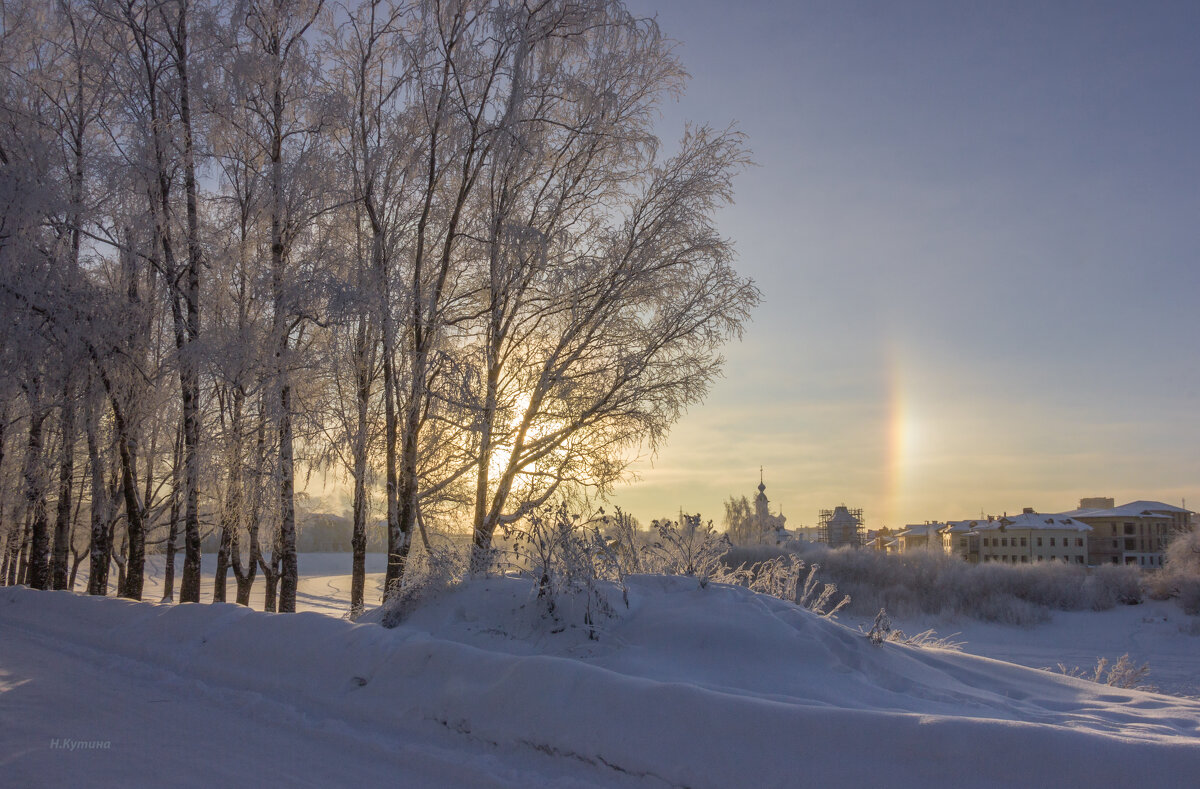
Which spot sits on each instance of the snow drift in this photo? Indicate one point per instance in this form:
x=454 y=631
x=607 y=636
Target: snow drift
x=714 y=687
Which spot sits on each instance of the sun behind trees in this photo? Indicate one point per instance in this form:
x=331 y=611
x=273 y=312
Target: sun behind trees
x=434 y=246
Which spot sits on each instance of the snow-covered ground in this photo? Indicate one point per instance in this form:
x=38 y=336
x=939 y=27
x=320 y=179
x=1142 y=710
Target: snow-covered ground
x=694 y=687
x=1158 y=633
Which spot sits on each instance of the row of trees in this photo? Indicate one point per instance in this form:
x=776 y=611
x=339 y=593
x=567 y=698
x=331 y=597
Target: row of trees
x=429 y=245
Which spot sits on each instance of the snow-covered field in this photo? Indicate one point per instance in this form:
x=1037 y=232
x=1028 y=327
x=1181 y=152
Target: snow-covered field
x=712 y=687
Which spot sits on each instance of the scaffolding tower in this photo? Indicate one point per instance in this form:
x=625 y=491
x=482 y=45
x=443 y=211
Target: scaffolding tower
x=842 y=526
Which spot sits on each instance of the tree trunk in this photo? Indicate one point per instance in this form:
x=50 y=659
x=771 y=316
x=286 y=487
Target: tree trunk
x=134 y=570
x=5 y=530
x=119 y=550
x=481 y=542
x=23 y=548
x=243 y=572
x=408 y=492
x=286 y=555
x=173 y=518
x=190 y=590
x=66 y=476
x=221 y=580
x=7 y=559
x=100 y=553
x=358 y=539
x=389 y=421
x=172 y=547
x=245 y=581
x=271 y=577
x=38 y=565
x=77 y=558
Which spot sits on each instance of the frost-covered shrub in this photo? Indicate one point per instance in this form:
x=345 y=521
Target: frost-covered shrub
x=686 y=547
x=566 y=556
x=777 y=577
x=624 y=540
x=1183 y=554
x=1055 y=585
x=931 y=582
x=1007 y=610
x=1123 y=674
x=750 y=555
x=1188 y=595
x=1180 y=576
x=1112 y=585
x=428 y=573
x=881 y=629
x=819 y=598
x=780 y=576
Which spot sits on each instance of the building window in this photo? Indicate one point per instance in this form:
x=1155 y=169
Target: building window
x=1051 y=542
x=1039 y=542
x=1078 y=542
x=1024 y=560
x=1129 y=528
x=1024 y=542
x=1003 y=542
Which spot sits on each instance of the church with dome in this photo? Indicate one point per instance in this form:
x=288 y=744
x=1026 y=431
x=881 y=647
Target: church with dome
x=760 y=526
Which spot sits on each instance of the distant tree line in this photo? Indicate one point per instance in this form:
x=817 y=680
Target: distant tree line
x=433 y=247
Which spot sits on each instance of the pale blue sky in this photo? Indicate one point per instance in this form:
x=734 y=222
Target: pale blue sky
x=977 y=229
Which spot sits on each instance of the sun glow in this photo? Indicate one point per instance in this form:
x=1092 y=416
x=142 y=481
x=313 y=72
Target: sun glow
x=502 y=451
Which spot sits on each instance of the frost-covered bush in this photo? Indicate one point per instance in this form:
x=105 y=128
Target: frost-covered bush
x=1111 y=585
x=750 y=555
x=882 y=631
x=429 y=573
x=1123 y=674
x=566 y=556
x=931 y=582
x=1180 y=576
x=686 y=547
x=779 y=577
x=626 y=543
x=819 y=598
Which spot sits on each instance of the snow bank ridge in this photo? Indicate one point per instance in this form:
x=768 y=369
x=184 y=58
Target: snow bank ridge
x=683 y=731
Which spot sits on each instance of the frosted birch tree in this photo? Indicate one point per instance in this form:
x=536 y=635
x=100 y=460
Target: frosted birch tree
x=275 y=67
x=607 y=290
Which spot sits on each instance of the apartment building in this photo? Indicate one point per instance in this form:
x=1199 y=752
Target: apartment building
x=1027 y=538
x=960 y=539
x=1136 y=533
x=918 y=536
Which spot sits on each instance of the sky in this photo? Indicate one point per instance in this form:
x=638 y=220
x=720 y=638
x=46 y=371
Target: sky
x=976 y=227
